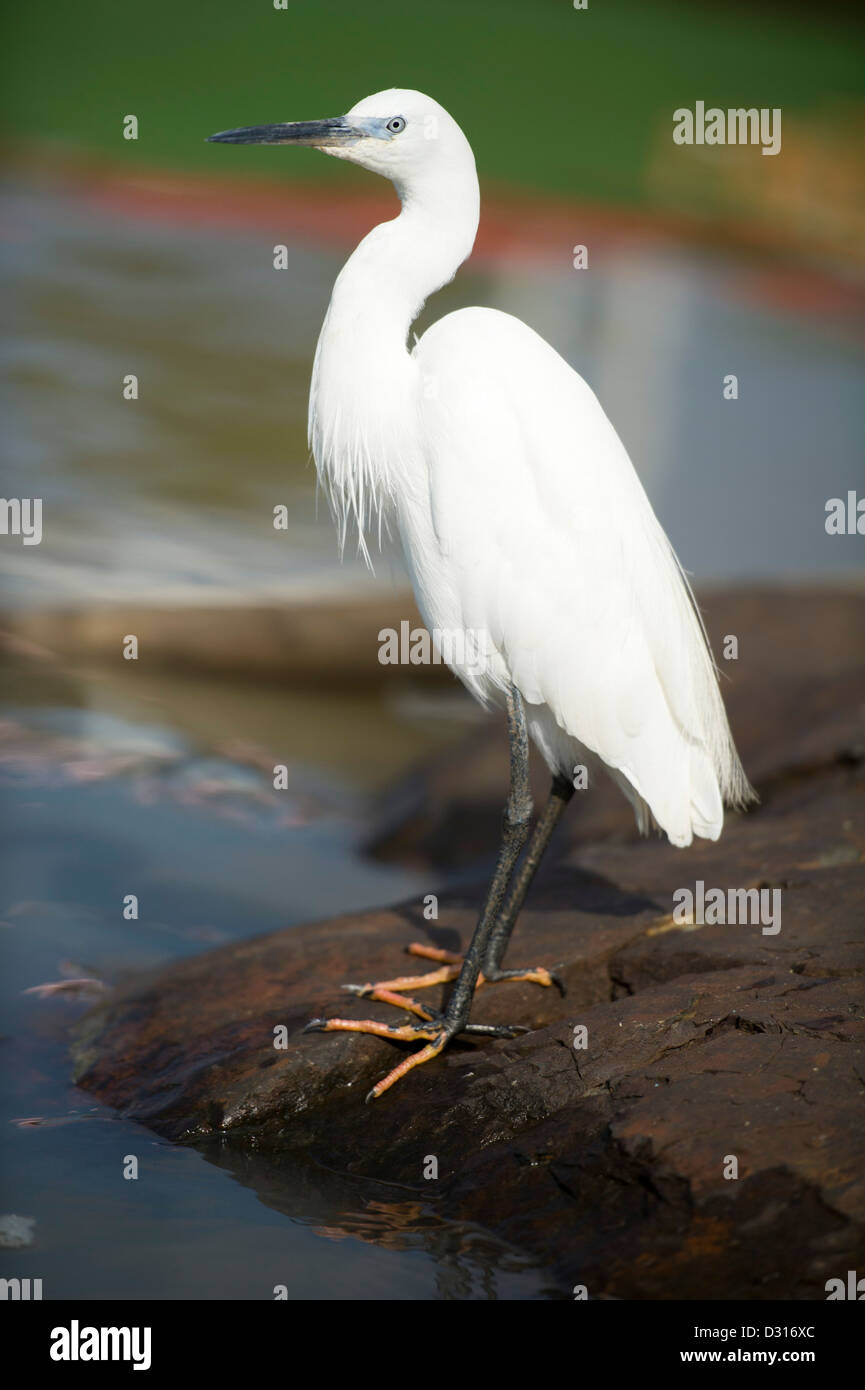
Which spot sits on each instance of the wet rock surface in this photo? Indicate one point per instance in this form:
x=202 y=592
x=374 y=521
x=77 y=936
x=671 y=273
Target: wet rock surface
x=710 y=1048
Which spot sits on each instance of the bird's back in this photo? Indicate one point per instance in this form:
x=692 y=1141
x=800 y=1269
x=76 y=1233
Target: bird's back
x=537 y=533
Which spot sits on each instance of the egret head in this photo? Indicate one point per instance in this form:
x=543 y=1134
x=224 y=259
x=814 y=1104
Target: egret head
x=399 y=133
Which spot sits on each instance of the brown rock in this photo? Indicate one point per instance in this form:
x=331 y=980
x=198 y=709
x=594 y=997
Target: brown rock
x=607 y=1165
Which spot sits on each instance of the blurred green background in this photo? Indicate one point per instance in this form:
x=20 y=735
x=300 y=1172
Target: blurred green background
x=554 y=99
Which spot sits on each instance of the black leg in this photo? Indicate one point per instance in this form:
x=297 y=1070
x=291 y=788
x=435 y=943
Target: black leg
x=518 y=810
x=560 y=794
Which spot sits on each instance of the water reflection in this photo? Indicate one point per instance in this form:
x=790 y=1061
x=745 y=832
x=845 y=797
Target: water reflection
x=466 y=1262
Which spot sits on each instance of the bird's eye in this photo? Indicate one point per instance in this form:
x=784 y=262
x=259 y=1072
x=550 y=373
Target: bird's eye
x=396 y=125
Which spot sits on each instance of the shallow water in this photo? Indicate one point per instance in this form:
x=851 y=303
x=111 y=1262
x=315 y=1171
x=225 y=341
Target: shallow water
x=98 y=806
x=160 y=787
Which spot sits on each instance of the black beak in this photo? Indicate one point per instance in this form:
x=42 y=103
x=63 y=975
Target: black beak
x=336 y=131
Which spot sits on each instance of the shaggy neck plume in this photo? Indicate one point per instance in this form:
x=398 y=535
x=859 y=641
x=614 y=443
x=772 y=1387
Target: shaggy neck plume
x=365 y=383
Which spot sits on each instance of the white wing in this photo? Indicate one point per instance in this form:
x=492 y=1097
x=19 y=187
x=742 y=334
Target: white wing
x=553 y=549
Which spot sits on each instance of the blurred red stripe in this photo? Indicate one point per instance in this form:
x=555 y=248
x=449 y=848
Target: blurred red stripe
x=528 y=229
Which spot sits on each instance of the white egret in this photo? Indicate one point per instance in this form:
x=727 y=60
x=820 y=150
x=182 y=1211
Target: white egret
x=524 y=527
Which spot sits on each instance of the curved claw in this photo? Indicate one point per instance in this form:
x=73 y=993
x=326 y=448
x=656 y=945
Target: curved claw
x=539 y=975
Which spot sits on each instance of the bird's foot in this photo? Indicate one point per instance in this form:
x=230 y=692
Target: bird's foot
x=450 y=966
x=434 y=1029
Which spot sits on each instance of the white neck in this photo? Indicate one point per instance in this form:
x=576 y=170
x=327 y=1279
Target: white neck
x=362 y=407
